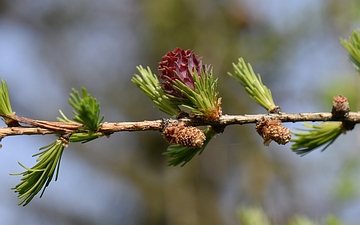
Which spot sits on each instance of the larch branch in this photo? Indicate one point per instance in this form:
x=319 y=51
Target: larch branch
x=36 y=127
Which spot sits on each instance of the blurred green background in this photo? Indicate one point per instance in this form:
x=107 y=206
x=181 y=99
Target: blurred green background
x=48 y=47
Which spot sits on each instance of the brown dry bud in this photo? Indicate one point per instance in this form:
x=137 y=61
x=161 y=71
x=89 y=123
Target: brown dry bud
x=340 y=107
x=273 y=130
x=191 y=137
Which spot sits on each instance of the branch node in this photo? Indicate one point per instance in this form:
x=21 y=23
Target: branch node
x=275 y=110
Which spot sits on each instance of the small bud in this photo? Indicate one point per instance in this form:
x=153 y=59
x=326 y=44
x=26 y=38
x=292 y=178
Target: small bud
x=340 y=107
x=272 y=130
x=178 y=65
x=191 y=137
x=341 y=110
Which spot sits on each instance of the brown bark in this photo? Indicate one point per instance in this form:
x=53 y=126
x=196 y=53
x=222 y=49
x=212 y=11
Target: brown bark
x=45 y=127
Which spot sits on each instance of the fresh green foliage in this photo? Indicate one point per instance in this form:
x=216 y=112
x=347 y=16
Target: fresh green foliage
x=39 y=176
x=315 y=135
x=64 y=118
x=86 y=110
x=204 y=99
x=353 y=47
x=149 y=84
x=244 y=74
x=78 y=137
x=182 y=155
x=84 y=137
x=5 y=106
